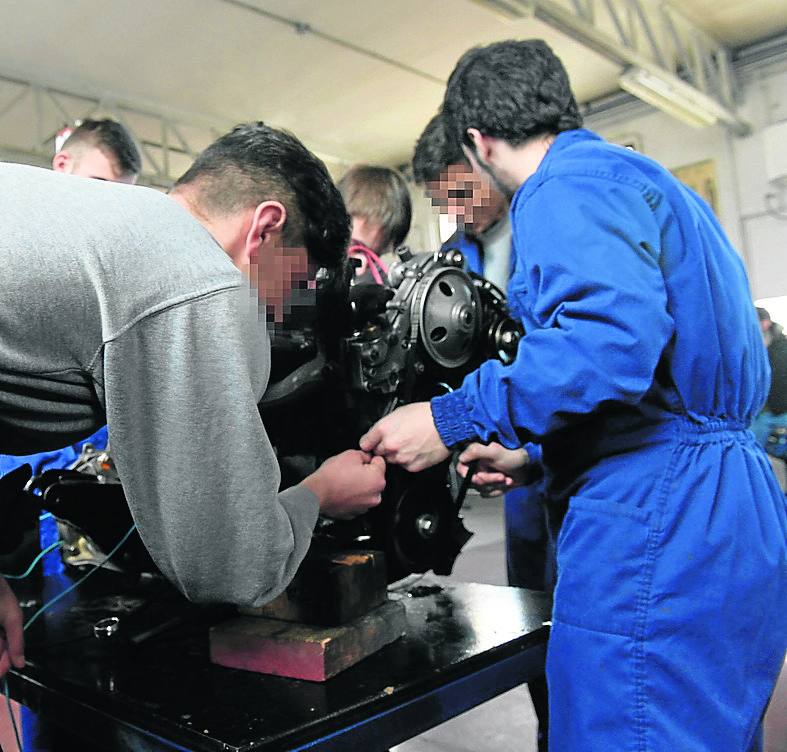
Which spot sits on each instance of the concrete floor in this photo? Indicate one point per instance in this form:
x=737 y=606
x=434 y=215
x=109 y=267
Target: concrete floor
x=508 y=723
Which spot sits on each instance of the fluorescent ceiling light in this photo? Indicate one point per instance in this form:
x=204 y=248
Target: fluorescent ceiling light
x=672 y=96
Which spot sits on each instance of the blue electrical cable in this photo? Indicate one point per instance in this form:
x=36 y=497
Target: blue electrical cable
x=73 y=587
x=51 y=603
x=35 y=561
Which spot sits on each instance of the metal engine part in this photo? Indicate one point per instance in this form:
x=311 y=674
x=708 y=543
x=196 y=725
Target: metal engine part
x=415 y=339
x=440 y=320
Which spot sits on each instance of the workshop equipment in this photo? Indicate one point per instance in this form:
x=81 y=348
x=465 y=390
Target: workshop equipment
x=464 y=645
x=371 y=349
x=409 y=340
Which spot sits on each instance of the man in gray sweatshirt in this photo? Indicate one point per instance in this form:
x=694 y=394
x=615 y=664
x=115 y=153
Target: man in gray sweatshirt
x=124 y=306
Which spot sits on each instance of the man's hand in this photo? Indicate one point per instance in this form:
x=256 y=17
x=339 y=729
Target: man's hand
x=407 y=437
x=498 y=468
x=348 y=484
x=11 y=640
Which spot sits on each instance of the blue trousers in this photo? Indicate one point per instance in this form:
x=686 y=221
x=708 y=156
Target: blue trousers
x=670 y=614
x=530 y=556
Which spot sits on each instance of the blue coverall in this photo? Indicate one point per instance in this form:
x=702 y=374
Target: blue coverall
x=641 y=370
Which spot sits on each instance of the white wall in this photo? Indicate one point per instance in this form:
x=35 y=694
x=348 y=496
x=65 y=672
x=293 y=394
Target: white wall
x=759 y=234
x=424 y=232
x=764 y=231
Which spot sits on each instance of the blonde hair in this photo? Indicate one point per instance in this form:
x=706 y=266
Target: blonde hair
x=378 y=195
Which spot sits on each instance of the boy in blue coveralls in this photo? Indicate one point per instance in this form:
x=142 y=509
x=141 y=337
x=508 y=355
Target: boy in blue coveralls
x=640 y=373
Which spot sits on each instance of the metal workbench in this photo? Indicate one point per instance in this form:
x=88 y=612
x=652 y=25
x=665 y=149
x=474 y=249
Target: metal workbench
x=465 y=644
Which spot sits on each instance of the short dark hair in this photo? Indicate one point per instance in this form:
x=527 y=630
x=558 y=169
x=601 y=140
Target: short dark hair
x=110 y=137
x=513 y=90
x=255 y=163
x=762 y=314
x=380 y=195
x=435 y=150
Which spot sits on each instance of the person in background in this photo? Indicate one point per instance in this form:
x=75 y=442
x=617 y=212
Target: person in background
x=483 y=232
x=99 y=149
x=103 y=150
x=379 y=206
x=770 y=426
x=483 y=236
x=640 y=373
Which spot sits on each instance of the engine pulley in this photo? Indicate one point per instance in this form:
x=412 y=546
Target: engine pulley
x=447 y=309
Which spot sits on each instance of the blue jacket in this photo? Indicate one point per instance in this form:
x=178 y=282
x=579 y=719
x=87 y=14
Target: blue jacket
x=636 y=309
x=469 y=248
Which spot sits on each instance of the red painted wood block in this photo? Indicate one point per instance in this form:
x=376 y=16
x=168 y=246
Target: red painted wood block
x=300 y=651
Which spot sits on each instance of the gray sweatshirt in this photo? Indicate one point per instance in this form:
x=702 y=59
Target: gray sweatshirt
x=117 y=306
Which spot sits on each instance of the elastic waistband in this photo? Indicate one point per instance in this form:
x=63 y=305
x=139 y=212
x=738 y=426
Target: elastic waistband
x=709 y=425
x=617 y=434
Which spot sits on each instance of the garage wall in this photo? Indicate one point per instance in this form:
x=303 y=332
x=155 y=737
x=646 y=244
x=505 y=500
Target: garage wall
x=424 y=232
x=745 y=209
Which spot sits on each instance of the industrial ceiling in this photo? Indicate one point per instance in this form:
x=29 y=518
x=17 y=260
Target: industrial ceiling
x=357 y=81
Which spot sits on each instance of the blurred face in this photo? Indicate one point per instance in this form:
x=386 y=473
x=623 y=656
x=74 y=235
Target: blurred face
x=468 y=197
x=284 y=278
x=90 y=163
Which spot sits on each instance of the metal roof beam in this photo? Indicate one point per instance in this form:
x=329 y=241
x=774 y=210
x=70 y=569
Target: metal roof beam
x=164 y=136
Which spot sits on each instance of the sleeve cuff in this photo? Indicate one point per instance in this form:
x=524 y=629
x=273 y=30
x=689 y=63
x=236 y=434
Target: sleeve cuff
x=451 y=418
x=534 y=453
x=303 y=508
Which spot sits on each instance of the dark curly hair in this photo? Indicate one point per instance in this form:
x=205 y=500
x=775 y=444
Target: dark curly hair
x=513 y=90
x=255 y=163
x=434 y=151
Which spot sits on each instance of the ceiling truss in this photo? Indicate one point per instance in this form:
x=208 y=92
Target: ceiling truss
x=168 y=140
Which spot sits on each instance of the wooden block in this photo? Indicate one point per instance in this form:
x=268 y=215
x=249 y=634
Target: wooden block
x=330 y=588
x=298 y=651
